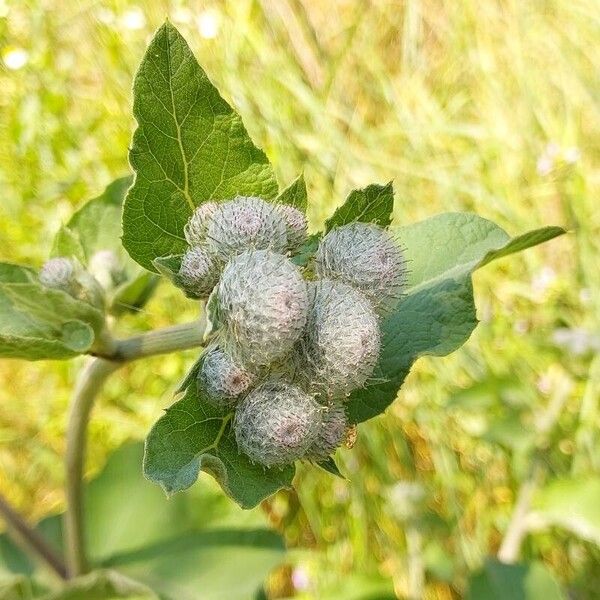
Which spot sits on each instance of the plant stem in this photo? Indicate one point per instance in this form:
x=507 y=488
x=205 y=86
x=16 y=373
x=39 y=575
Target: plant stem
x=416 y=566
x=87 y=388
x=518 y=526
x=25 y=535
x=161 y=341
x=89 y=384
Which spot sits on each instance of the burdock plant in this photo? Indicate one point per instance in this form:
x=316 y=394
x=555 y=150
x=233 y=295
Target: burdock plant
x=300 y=338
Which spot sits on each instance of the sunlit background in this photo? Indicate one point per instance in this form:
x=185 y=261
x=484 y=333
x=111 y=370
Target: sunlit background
x=488 y=106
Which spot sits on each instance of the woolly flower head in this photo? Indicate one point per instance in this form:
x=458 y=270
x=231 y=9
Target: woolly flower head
x=68 y=275
x=196 y=228
x=366 y=257
x=263 y=303
x=342 y=341
x=295 y=221
x=199 y=272
x=246 y=223
x=222 y=379
x=58 y=273
x=331 y=433
x=276 y=423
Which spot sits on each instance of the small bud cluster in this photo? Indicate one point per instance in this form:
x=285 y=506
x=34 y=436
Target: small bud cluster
x=217 y=233
x=287 y=351
x=69 y=275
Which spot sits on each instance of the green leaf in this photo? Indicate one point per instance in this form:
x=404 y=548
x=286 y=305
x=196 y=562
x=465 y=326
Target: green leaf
x=331 y=467
x=10 y=273
x=498 y=581
x=169 y=266
x=97 y=224
x=96 y=227
x=190 y=146
x=295 y=195
x=573 y=504
x=373 y=204
x=206 y=561
x=40 y=323
x=67 y=243
x=134 y=293
x=193 y=436
x=15 y=588
x=176 y=546
x=437 y=315
x=102 y=585
x=307 y=250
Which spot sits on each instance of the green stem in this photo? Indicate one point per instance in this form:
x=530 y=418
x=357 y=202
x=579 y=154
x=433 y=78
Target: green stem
x=89 y=384
x=25 y=535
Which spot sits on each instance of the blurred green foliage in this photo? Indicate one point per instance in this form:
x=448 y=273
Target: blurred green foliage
x=483 y=106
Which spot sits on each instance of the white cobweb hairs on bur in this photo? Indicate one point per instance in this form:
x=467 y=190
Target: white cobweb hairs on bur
x=368 y=258
x=296 y=224
x=276 y=423
x=342 y=341
x=331 y=433
x=199 y=272
x=263 y=303
x=196 y=228
x=246 y=223
x=222 y=379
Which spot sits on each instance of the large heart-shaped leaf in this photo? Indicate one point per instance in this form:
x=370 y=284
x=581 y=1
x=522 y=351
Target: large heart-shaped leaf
x=192 y=436
x=40 y=323
x=190 y=146
x=498 y=581
x=437 y=315
x=373 y=204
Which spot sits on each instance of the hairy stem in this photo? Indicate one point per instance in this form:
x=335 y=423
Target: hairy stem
x=89 y=385
x=161 y=341
x=26 y=536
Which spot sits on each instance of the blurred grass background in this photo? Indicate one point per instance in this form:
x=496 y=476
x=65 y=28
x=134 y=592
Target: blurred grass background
x=487 y=106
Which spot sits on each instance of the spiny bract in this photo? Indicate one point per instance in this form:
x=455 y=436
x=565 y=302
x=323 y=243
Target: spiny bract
x=296 y=226
x=263 y=304
x=222 y=379
x=366 y=257
x=277 y=423
x=331 y=433
x=246 y=223
x=196 y=228
x=342 y=341
x=199 y=272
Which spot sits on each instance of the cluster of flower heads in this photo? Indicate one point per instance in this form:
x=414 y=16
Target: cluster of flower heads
x=290 y=344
